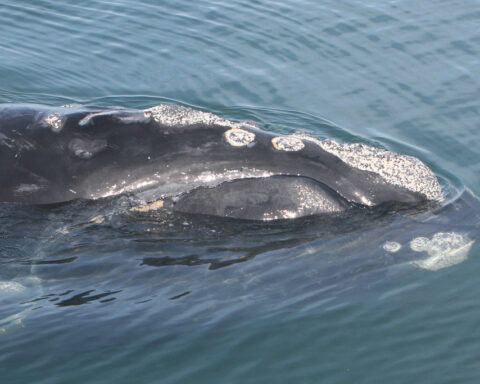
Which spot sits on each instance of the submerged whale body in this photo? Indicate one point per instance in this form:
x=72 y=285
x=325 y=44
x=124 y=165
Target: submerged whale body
x=195 y=162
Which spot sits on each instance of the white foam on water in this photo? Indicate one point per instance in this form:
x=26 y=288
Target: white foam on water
x=392 y=246
x=444 y=249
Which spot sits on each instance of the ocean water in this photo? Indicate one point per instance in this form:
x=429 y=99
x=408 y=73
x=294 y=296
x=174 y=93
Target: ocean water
x=92 y=294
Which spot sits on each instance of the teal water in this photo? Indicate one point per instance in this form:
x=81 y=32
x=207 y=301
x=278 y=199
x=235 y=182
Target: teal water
x=153 y=299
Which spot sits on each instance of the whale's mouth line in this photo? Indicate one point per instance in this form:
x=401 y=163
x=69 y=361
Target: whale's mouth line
x=268 y=198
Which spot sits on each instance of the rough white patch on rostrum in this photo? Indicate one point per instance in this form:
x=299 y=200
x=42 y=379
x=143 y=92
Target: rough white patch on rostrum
x=288 y=143
x=177 y=115
x=444 y=250
x=180 y=116
x=239 y=137
x=392 y=246
x=402 y=170
x=55 y=121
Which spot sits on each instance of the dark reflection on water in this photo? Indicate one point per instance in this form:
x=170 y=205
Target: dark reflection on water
x=84 y=298
x=81 y=298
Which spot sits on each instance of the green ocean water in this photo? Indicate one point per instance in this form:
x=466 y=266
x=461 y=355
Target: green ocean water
x=134 y=299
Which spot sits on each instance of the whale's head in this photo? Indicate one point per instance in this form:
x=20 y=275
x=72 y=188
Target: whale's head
x=197 y=162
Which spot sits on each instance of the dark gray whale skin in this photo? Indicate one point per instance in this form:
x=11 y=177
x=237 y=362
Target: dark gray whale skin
x=56 y=154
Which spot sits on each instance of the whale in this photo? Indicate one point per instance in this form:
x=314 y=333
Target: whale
x=187 y=160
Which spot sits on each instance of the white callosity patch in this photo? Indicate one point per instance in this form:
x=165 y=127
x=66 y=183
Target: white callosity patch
x=402 y=170
x=180 y=116
x=444 y=250
x=288 y=143
x=177 y=115
x=239 y=137
x=55 y=121
x=391 y=246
